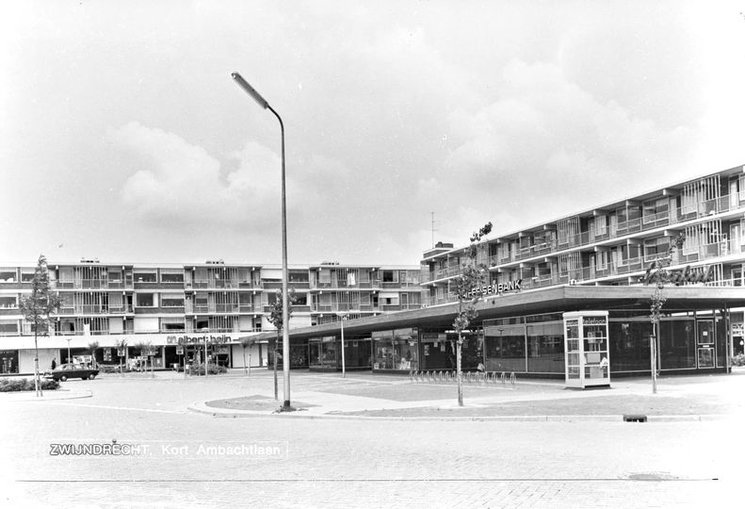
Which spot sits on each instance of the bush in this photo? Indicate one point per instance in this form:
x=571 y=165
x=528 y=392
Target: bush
x=25 y=384
x=738 y=360
x=198 y=369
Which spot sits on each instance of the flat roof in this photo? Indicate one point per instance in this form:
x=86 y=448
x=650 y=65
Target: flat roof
x=545 y=300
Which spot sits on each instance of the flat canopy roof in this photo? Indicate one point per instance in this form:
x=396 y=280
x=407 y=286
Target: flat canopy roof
x=546 y=300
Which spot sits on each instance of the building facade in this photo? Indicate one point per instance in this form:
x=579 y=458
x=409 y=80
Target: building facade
x=601 y=260
x=400 y=318
x=173 y=307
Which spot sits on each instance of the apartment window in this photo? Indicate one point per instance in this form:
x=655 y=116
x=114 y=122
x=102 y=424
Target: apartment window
x=27 y=277
x=655 y=209
x=8 y=303
x=9 y=328
x=172 y=278
x=390 y=276
x=324 y=276
x=145 y=277
x=601 y=225
x=298 y=277
x=7 y=276
x=602 y=260
x=145 y=300
x=172 y=301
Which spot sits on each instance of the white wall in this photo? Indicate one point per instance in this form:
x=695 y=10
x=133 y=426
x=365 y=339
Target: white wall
x=26 y=360
x=253 y=350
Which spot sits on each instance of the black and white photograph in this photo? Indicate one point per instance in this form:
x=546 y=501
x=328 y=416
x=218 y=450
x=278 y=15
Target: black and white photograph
x=408 y=254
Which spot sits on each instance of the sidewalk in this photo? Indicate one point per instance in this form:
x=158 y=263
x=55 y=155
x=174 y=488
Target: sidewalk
x=701 y=397
x=55 y=395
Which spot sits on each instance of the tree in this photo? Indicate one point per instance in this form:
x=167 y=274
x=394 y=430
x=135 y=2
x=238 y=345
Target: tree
x=93 y=348
x=659 y=275
x=38 y=308
x=467 y=289
x=121 y=346
x=146 y=350
x=245 y=343
x=275 y=318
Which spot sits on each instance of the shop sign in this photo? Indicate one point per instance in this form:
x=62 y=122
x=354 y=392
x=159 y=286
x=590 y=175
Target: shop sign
x=498 y=288
x=197 y=340
x=180 y=350
x=588 y=320
x=679 y=277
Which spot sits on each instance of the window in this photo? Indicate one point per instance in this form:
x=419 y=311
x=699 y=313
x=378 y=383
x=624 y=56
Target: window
x=172 y=301
x=145 y=300
x=8 y=303
x=390 y=276
x=8 y=328
x=27 y=277
x=145 y=277
x=172 y=278
x=7 y=276
x=602 y=260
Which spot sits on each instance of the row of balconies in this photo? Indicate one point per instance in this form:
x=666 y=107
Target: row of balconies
x=689 y=255
x=104 y=284
x=644 y=223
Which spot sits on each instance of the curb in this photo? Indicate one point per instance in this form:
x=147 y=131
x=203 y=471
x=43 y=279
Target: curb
x=202 y=408
x=57 y=396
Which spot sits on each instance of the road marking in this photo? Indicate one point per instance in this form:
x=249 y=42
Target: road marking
x=110 y=407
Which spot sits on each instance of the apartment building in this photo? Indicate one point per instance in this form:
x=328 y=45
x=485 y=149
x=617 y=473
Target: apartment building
x=176 y=308
x=594 y=261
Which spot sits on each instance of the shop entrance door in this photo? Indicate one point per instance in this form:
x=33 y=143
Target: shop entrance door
x=705 y=344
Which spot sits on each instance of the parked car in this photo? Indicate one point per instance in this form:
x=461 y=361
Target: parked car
x=65 y=371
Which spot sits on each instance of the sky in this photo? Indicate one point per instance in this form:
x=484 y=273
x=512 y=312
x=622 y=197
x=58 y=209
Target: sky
x=123 y=137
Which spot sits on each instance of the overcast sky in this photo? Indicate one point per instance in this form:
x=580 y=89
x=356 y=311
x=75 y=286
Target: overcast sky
x=123 y=137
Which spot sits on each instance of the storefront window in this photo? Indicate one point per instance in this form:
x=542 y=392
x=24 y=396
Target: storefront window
x=323 y=352
x=405 y=355
x=677 y=344
x=437 y=352
x=546 y=348
x=629 y=346
x=383 y=350
x=505 y=347
x=8 y=361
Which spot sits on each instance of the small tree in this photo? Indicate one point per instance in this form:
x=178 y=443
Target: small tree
x=93 y=348
x=275 y=318
x=659 y=275
x=467 y=289
x=121 y=347
x=146 y=350
x=38 y=308
x=245 y=343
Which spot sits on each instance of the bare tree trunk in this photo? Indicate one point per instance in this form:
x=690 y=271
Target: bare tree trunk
x=37 y=382
x=653 y=356
x=459 y=375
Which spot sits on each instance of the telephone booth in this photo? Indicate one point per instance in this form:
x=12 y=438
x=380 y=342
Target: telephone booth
x=586 y=357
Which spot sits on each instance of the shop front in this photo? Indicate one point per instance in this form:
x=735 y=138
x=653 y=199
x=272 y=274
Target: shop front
x=396 y=350
x=324 y=353
x=8 y=362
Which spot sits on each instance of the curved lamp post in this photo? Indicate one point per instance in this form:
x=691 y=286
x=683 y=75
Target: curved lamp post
x=285 y=304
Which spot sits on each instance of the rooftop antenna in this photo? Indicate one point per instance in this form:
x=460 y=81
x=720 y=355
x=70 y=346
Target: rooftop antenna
x=433 y=229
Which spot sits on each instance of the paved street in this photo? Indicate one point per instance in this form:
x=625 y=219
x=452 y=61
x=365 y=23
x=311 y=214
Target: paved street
x=292 y=460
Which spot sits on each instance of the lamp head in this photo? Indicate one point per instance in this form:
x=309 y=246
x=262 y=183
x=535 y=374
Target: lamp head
x=249 y=90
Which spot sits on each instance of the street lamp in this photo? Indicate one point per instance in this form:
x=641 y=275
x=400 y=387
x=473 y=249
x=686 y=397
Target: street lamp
x=68 y=350
x=343 y=317
x=285 y=301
